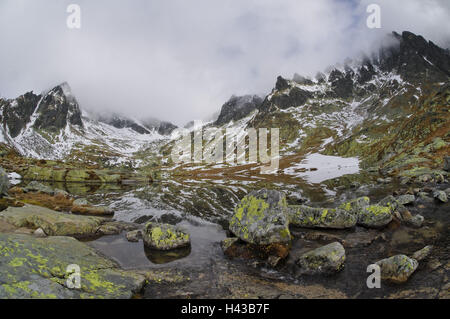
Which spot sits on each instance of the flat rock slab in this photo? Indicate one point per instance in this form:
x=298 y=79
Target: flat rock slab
x=52 y=223
x=37 y=268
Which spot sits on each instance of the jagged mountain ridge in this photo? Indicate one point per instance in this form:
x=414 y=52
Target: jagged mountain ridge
x=51 y=125
x=355 y=109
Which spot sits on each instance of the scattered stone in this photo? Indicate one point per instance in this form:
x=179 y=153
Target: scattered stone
x=441 y=196
x=39 y=233
x=422 y=254
x=81 y=202
x=309 y=217
x=398 y=268
x=416 y=221
x=134 y=235
x=327 y=259
x=405 y=180
x=60 y=192
x=406 y=199
x=261 y=218
x=165 y=237
x=38 y=187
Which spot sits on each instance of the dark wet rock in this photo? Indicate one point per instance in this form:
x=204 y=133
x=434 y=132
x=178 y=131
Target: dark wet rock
x=309 y=217
x=441 y=196
x=228 y=243
x=261 y=218
x=38 y=187
x=52 y=223
x=165 y=237
x=237 y=108
x=37 y=268
x=143 y=219
x=294 y=98
x=422 y=254
x=447 y=163
x=406 y=199
x=398 y=268
x=134 y=235
x=4 y=182
x=17 y=113
x=169 y=218
x=324 y=260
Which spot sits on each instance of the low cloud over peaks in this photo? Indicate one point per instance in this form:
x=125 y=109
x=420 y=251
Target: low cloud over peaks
x=181 y=60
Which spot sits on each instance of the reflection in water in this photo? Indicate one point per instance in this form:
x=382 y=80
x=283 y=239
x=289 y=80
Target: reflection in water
x=163 y=257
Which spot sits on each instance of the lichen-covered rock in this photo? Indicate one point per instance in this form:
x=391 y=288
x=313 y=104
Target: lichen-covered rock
x=165 y=237
x=309 y=217
x=34 y=186
x=356 y=205
x=327 y=259
x=441 y=196
x=398 y=268
x=52 y=223
x=261 y=218
x=4 y=182
x=37 y=268
x=423 y=253
x=375 y=216
x=406 y=199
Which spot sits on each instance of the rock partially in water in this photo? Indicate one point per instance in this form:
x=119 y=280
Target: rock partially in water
x=39 y=233
x=375 y=216
x=309 y=217
x=441 y=196
x=81 y=202
x=38 y=187
x=423 y=254
x=324 y=260
x=4 y=182
x=134 y=235
x=415 y=221
x=227 y=245
x=52 y=223
x=261 y=218
x=92 y=210
x=165 y=237
x=38 y=268
x=406 y=199
x=398 y=268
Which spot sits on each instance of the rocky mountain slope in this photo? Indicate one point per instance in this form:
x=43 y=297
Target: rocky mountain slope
x=52 y=126
x=391 y=110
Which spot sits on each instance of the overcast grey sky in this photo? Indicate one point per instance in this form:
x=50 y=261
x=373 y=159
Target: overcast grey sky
x=180 y=60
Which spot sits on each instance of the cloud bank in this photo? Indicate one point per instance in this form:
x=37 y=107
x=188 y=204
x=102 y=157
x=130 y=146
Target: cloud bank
x=181 y=60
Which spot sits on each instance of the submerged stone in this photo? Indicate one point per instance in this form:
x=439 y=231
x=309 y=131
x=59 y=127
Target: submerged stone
x=165 y=237
x=327 y=260
x=261 y=218
x=422 y=254
x=441 y=196
x=406 y=199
